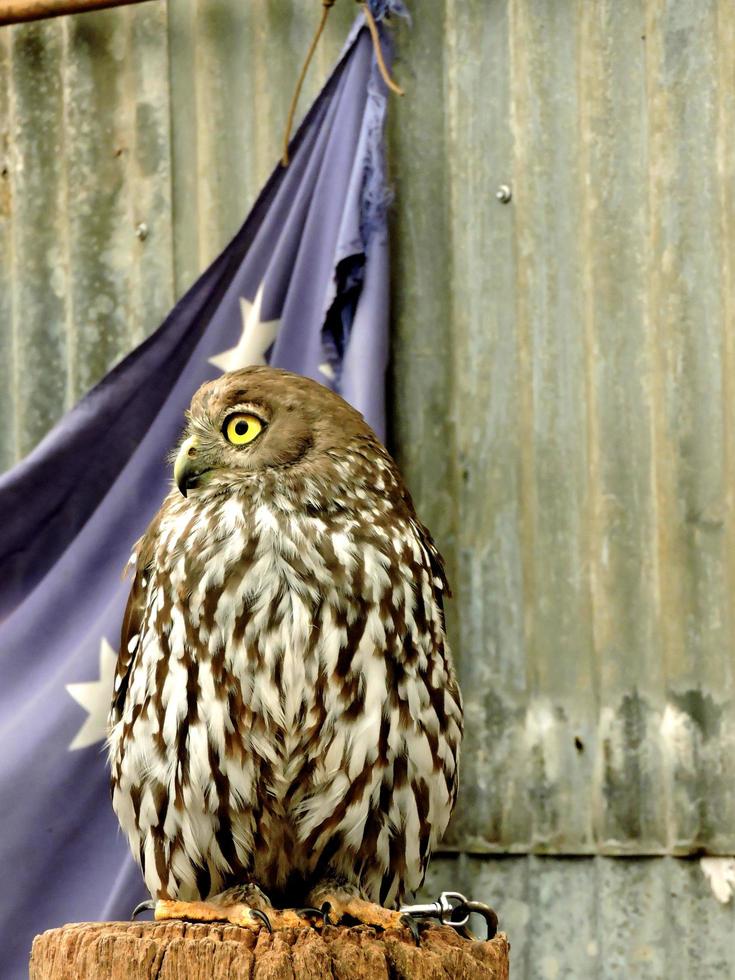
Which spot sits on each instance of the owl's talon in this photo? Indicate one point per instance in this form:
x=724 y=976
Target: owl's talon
x=257 y=914
x=413 y=927
x=147 y=906
x=348 y=908
x=310 y=913
x=326 y=908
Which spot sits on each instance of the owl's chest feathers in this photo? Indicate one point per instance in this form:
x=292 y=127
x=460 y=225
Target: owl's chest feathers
x=249 y=618
x=268 y=619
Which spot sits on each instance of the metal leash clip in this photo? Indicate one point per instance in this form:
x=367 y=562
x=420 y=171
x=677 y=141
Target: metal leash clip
x=453 y=909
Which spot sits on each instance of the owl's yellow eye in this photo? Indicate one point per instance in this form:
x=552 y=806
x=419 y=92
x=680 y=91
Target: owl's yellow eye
x=242 y=428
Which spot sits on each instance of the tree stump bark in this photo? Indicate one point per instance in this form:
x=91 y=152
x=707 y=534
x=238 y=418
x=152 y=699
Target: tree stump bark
x=190 y=951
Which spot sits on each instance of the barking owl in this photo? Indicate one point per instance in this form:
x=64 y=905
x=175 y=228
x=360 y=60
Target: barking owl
x=286 y=720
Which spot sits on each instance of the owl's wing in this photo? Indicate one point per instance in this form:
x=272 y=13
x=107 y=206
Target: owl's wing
x=436 y=562
x=133 y=620
x=439 y=583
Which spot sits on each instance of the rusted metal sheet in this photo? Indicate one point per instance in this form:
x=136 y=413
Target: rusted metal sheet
x=598 y=918
x=589 y=513
x=561 y=385
x=85 y=144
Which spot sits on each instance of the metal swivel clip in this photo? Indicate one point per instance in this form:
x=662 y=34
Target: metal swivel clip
x=453 y=909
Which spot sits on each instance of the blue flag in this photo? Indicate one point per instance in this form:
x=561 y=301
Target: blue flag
x=302 y=286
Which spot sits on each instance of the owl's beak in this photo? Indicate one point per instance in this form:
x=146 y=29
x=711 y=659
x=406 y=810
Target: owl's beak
x=188 y=468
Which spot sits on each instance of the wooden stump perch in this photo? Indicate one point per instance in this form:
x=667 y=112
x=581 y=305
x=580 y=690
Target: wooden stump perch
x=189 y=951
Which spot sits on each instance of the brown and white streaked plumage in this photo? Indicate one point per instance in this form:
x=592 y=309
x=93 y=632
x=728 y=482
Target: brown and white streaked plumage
x=286 y=719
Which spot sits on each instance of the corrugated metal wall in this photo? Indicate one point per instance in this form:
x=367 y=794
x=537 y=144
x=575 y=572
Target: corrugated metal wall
x=562 y=384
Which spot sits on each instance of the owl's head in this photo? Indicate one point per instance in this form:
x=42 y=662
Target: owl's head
x=261 y=418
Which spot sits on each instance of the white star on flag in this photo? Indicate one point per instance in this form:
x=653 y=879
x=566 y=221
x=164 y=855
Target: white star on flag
x=95 y=697
x=256 y=337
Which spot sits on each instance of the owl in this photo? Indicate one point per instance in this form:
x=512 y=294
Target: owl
x=286 y=722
